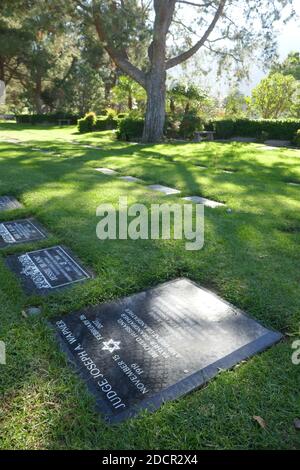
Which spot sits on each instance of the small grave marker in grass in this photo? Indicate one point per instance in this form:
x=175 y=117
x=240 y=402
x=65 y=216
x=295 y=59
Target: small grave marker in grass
x=201 y=166
x=163 y=189
x=267 y=147
x=20 y=231
x=106 y=171
x=91 y=147
x=203 y=200
x=8 y=203
x=131 y=179
x=141 y=351
x=43 y=271
x=11 y=141
x=37 y=149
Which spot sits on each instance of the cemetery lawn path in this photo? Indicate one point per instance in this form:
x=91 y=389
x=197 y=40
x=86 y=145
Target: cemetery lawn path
x=251 y=258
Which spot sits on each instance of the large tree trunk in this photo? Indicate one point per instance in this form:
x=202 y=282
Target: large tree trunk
x=2 y=70
x=38 y=103
x=155 y=111
x=156 y=77
x=37 y=96
x=187 y=108
x=172 y=105
x=130 y=101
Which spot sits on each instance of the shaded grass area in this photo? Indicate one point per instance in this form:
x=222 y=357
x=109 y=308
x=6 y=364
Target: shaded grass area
x=250 y=257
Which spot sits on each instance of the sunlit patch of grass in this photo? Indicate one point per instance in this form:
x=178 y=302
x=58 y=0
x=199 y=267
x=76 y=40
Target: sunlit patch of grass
x=250 y=257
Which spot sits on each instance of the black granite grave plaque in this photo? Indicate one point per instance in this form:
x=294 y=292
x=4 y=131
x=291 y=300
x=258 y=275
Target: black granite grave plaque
x=43 y=271
x=8 y=203
x=20 y=231
x=157 y=345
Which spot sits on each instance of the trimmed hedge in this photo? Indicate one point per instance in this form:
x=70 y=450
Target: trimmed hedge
x=130 y=128
x=91 y=123
x=45 y=118
x=105 y=123
x=87 y=123
x=271 y=128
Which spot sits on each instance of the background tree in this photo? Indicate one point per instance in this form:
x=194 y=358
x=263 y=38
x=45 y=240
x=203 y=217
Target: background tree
x=37 y=47
x=12 y=43
x=52 y=59
x=274 y=96
x=87 y=83
x=186 y=97
x=128 y=94
x=117 y=22
x=235 y=104
x=83 y=91
x=290 y=66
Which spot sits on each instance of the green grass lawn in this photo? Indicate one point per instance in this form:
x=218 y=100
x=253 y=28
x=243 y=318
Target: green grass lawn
x=251 y=257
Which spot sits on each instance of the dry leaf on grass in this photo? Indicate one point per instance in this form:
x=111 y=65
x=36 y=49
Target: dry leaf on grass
x=260 y=421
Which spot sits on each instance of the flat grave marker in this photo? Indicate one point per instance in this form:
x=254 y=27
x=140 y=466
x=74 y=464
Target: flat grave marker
x=38 y=149
x=43 y=271
x=131 y=179
x=8 y=203
x=87 y=146
x=107 y=171
x=269 y=147
x=141 y=351
x=11 y=141
x=203 y=200
x=163 y=189
x=201 y=166
x=14 y=232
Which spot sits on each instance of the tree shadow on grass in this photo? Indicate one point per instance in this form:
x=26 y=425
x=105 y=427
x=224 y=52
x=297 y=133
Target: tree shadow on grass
x=246 y=259
x=58 y=412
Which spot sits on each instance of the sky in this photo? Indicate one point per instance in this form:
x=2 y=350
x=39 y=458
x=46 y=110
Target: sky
x=288 y=39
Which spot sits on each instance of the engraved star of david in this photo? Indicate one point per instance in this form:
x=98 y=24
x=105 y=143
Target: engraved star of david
x=111 y=345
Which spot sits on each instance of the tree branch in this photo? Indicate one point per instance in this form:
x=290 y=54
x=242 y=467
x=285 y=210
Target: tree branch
x=163 y=17
x=17 y=75
x=223 y=53
x=189 y=53
x=118 y=56
x=195 y=4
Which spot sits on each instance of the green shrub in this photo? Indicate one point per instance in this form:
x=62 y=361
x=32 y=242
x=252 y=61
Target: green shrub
x=172 y=126
x=46 y=118
x=130 y=128
x=275 y=128
x=105 y=123
x=111 y=113
x=296 y=139
x=87 y=123
x=190 y=123
x=92 y=123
